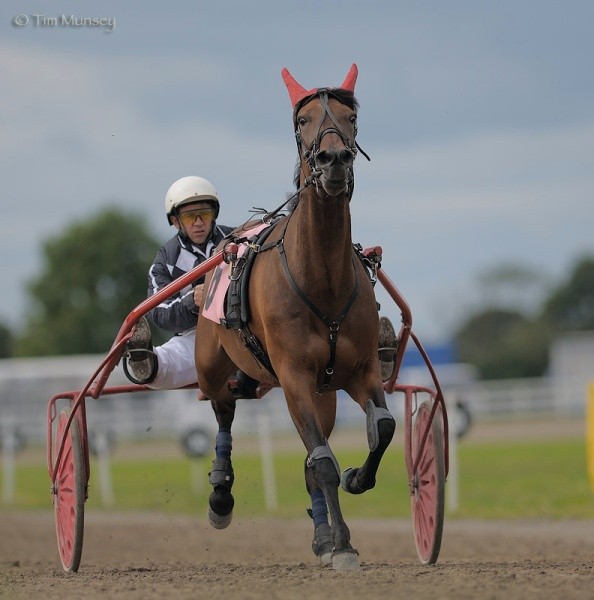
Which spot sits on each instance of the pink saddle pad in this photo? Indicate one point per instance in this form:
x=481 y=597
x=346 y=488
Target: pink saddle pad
x=214 y=301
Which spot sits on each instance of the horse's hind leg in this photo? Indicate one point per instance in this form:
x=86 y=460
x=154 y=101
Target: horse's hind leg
x=380 y=430
x=220 y=502
x=322 y=544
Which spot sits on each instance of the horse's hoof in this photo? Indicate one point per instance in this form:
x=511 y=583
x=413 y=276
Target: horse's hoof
x=345 y=478
x=345 y=561
x=325 y=559
x=346 y=481
x=218 y=521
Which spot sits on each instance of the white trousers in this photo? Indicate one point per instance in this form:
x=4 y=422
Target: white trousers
x=176 y=362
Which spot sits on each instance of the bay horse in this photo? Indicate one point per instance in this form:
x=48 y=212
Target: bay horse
x=314 y=313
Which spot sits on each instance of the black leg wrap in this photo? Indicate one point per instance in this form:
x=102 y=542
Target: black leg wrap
x=220 y=501
x=221 y=473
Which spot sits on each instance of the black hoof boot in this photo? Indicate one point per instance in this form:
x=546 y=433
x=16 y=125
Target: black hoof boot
x=221 y=502
x=220 y=508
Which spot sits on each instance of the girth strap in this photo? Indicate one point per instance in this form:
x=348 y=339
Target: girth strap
x=332 y=324
x=238 y=296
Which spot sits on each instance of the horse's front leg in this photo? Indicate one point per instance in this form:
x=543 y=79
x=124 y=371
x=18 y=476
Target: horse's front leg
x=220 y=502
x=322 y=543
x=322 y=478
x=380 y=431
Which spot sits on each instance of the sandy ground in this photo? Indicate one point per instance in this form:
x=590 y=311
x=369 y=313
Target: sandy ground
x=146 y=556
x=150 y=556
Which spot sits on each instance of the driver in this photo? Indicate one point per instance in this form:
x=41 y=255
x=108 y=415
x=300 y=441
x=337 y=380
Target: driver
x=192 y=207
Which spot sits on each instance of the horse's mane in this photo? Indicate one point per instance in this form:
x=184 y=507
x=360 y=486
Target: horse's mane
x=345 y=97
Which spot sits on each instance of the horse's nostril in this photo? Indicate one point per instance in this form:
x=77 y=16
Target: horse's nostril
x=345 y=156
x=324 y=158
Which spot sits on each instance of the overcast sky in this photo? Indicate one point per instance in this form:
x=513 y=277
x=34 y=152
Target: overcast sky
x=478 y=117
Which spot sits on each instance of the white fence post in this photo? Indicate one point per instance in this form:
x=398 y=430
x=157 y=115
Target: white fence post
x=105 y=482
x=264 y=433
x=453 y=485
x=9 y=446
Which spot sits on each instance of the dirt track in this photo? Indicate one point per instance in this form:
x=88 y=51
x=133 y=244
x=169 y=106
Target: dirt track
x=145 y=556
x=154 y=556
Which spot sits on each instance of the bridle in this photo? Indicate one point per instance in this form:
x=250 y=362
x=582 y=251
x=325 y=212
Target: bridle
x=310 y=153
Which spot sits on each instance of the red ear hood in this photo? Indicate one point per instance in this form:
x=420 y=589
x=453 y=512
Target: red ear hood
x=297 y=92
x=351 y=79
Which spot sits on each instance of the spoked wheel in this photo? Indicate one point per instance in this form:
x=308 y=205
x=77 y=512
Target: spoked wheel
x=70 y=494
x=428 y=484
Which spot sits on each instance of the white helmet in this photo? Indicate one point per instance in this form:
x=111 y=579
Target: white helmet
x=190 y=189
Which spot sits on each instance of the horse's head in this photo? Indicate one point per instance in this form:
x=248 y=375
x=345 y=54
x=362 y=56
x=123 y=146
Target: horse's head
x=325 y=121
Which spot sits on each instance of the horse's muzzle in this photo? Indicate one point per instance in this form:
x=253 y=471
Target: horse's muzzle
x=335 y=165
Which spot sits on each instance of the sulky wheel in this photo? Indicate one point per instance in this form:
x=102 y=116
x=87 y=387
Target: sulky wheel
x=70 y=494
x=428 y=484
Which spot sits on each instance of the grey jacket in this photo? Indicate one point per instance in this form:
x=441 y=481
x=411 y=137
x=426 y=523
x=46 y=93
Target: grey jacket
x=178 y=313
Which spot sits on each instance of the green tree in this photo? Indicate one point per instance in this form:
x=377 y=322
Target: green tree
x=503 y=343
x=515 y=286
x=93 y=275
x=6 y=341
x=505 y=337
x=571 y=306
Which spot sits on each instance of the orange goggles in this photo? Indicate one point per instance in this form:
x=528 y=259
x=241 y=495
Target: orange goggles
x=206 y=216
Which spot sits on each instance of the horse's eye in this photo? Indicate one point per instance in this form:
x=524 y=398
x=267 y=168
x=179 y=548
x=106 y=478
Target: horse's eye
x=301 y=121
x=353 y=119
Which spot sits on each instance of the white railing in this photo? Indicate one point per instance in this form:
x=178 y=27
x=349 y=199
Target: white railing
x=514 y=397
x=27 y=384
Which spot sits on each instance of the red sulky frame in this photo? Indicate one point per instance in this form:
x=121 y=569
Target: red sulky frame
x=426 y=428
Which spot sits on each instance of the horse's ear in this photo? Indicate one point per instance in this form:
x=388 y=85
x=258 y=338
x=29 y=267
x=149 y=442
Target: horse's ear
x=351 y=79
x=296 y=90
